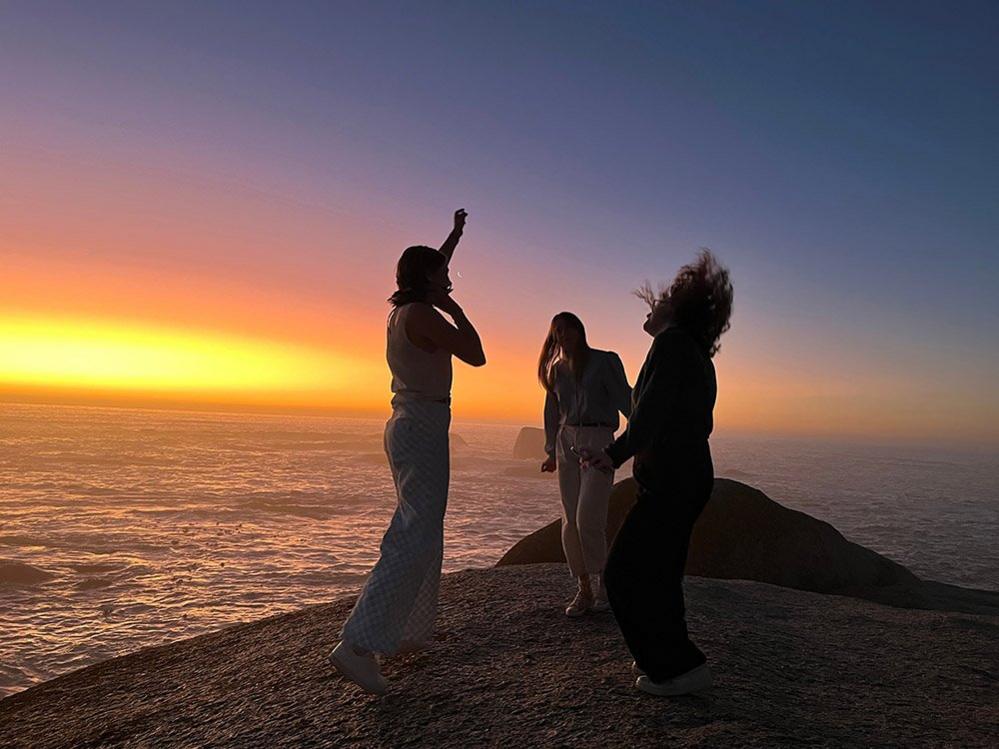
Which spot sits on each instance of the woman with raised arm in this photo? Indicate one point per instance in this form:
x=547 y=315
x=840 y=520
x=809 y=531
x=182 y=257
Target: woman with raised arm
x=585 y=388
x=671 y=419
x=397 y=608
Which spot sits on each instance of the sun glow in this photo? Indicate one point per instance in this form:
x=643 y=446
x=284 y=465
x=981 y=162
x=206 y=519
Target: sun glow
x=110 y=355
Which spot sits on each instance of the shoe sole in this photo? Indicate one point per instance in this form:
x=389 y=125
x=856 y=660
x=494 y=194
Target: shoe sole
x=349 y=673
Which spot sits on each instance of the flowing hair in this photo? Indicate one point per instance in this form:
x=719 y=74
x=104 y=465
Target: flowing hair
x=412 y=274
x=700 y=299
x=552 y=353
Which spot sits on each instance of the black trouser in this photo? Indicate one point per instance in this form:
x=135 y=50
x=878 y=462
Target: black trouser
x=644 y=573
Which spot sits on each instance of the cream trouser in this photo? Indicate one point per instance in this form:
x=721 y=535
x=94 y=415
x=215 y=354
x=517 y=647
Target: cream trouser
x=399 y=602
x=585 y=494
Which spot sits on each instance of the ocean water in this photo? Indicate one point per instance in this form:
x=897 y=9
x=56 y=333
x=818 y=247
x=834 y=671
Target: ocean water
x=132 y=528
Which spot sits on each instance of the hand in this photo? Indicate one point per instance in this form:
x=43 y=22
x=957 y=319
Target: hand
x=442 y=300
x=596 y=459
x=549 y=465
x=459 y=219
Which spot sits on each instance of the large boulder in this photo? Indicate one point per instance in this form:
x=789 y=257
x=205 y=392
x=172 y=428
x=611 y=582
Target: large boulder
x=743 y=534
x=530 y=443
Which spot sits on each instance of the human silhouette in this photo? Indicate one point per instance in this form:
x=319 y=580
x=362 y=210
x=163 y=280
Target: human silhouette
x=398 y=605
x=671 y=420
x=585 y=389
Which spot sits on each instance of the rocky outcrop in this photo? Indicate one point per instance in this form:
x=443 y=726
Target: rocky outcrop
x=508 y=669
x=743 y=534
x=530 y=443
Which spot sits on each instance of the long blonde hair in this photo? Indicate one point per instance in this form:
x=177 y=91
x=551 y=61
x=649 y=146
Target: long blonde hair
x=552 y=353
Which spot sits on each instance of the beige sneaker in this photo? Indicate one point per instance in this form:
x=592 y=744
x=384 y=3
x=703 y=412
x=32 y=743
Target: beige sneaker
x=695 y=680
x=360 y=669
x=580 y=605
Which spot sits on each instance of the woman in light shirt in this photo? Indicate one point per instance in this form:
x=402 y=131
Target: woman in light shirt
x=585 y=390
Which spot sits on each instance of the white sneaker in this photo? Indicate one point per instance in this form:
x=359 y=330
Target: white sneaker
x=695 y=680
x=360 y=669
x=579 y=606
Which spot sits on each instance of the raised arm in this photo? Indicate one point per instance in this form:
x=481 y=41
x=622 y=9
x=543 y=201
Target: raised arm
x=447 y=249
x=426 y=325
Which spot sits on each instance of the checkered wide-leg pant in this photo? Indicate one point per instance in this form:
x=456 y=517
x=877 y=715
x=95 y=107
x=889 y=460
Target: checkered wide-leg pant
x=399 y=601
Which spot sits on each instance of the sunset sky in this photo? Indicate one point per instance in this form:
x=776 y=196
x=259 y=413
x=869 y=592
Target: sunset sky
x=202 y=203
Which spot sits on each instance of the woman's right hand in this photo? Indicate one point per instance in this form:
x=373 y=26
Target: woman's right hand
x=549 y=465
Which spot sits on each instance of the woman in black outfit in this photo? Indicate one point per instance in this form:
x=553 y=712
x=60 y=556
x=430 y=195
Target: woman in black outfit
x=668 y=436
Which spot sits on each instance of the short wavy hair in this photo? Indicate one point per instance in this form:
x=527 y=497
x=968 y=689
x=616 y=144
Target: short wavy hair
x=700 y=298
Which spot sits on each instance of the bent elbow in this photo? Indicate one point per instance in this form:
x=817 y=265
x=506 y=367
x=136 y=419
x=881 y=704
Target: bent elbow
x=472 y=358
x=477 y=358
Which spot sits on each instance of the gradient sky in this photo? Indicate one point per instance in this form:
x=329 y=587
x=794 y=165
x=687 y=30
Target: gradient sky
x=203 y=203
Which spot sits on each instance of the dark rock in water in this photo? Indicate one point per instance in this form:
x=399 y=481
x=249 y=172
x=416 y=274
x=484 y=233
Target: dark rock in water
x=743 y=534
x=530 y=443
x=18 y=573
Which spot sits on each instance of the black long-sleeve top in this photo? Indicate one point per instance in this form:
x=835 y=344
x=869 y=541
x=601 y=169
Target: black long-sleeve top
x=672 y=404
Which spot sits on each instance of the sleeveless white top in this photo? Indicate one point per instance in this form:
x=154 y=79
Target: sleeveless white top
x=416 y=374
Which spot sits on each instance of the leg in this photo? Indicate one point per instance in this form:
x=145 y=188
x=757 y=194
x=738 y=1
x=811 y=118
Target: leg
x=594 y=495
x=568 y=485
x=419 y=627
x=675 y=653
x=691 y=493
x=632 y=577
x=645 y=586
x=417 y=444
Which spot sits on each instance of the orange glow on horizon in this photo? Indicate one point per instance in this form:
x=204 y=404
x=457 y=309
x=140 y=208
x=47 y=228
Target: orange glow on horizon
x=89 y=360
x=101 y=333
x=99 y=355
x=107 y=361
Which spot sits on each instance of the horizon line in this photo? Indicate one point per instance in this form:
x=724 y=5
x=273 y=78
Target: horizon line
x=248 y=409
